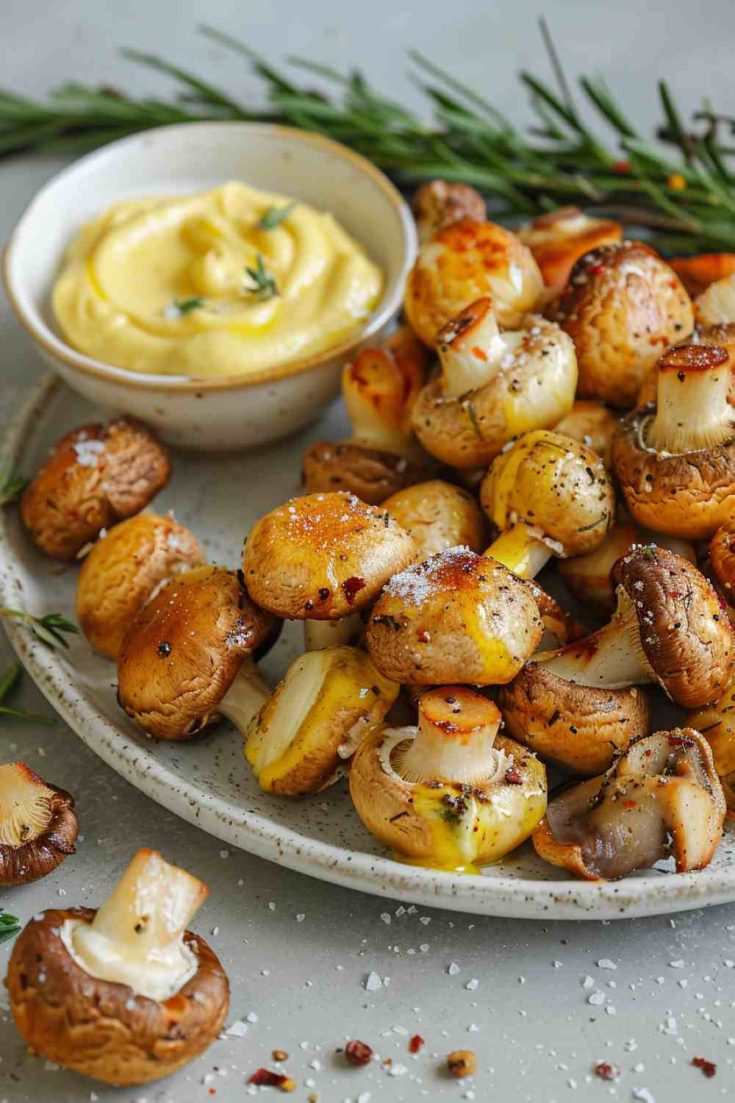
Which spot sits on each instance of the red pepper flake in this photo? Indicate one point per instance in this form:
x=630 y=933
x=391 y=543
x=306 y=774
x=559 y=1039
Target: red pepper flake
x=358 y=1053
x=606 y=1071
x=629 y=804
x=597 y=269
x=415 y=1043
x=621 y=166
x=513 y=776
x=212 y=1091
x=709 y=1068
x=479 y=353
x=265 y=1078
x=351 y=587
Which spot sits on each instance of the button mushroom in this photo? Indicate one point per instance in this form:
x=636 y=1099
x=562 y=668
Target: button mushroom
x=698 y=272
x=379 y=389
x=96 y=475
x=493 y=386
x=458 y=618
x=660 y=798
x=124 y=994
x=717 y=724
x=593 y=424
x=717 y=304
x=437 y=516
x=315 y=718
x=38 y=826
x=461 y=263
x=676 y=461
x=450 y=793
x=323 y=558
x=558 y=239
x=622 y=307
x=186 y=658
x=124 y=569
x=441 y=203
x=549 y=495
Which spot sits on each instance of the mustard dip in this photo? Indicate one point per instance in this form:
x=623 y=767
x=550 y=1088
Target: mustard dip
x=226 y=282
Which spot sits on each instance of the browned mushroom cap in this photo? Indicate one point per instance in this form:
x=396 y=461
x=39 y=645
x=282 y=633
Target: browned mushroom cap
x=581 y=727
x=622 y=307
x=38 y=826
x=698 y=272
x=441 y=203
x=184 y=650
x=373 y=474
x=105 y=1028
x=558 y=239
x=438 y=515
x=458 y=617
x=722 y=556
x=717 y=724
x=593 y=424
x=661 y=797
x=124 y=569
x=323 y=556
x=676 y=461
x=96 y=475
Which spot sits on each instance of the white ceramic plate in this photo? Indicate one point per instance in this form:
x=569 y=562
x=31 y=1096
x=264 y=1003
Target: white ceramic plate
x=207 y=782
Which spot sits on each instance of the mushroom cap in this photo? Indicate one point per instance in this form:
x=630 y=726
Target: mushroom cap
x=447 y=824
x=560 y=627
x=440 y=203
x=623 y=306
x=556 y=486
x=95 y=475
x=686 y=494
x=717 y=304
x=438 y=515
x=455 y=618
x=685 y=634
x=717 y=724
x=532 y=389
x=581 y=727
x=373 y=474
x=103 y=1029
x=183 y=650
x=323 y=556
x=463 y=262
x=722 y=556
x=697 y=273
x=38 y=825
x=593 y=424
x=558 y=239
x=124 y=569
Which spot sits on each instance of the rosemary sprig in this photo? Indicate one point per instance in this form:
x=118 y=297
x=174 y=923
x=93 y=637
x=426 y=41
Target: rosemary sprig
x=50 y=629
x=8 y=681
x=9 y=925
x=12 y=486
x=679 y=185
x=263 y=285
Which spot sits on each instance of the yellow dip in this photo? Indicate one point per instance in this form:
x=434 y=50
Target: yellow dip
x=161 y=285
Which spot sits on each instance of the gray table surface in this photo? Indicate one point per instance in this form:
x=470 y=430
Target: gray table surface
x=539 y=1003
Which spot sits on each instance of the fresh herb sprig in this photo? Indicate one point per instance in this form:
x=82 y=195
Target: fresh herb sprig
x=680 y=185
x=181 y=307
x=274 y=216
x=8 y=681
x=9 y=925
x=263 y=285
x=51 y=629
x=12 y=486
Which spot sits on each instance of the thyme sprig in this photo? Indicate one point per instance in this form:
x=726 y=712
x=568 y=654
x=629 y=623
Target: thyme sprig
x=9 y=925
x=8 y=681
x=51 y=629
x=263 y=285
x=12 y=486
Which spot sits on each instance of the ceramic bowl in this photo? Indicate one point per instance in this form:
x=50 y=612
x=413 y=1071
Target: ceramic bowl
x=224 y=413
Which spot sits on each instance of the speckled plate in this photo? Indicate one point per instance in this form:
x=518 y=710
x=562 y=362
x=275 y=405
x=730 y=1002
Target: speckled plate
x=207 y=782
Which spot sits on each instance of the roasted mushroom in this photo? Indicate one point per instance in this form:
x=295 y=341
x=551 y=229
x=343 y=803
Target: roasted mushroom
x=186 y=659
x=493 y=386
x=96 y=475
x=622 y=307
x=441 y=203
x=462 y=262
x=437 y=516
x=38 y=826
x=660 y=798
x=123 y=571
x=379 y=389
x=697 y=273
x=675 y=462
x=548 y=495
x=456 y=618
x=717 y=724
x=323 y=558
x=451 y=793
x=124 y=994
x=722 y=558
x=558 y=239
x=593 y=424
x=716 y=305
x=315 y=718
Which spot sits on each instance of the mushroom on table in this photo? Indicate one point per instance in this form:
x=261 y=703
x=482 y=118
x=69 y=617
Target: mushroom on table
x=38 y=825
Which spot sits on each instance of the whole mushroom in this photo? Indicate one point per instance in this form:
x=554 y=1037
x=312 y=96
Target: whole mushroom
x=440 y=203
x=716 y=723
x=38 y=825
x=593 y=424
x=124 y=994
x=438 y=515
x=698 y=272
x=95 y=476
x=450 y=793
x=558 y=239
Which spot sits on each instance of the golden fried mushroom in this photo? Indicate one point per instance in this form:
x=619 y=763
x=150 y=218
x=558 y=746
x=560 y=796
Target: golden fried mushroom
x=437 y=516
x=558 y=239
x=38 y=825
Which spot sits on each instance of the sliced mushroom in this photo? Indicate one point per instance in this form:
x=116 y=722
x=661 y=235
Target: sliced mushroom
x=493 y=386
x=717 y=724
x=186 y=659
x=441 y=203
x=593 y=424
x=548 y=495
x=458 y=618
x=437 y=516
x=623 y=306
x=462 y=262
x=38 y=825
x=676 y=461
x=323 y=558
x=716 y=305
x=123 y=571
x=96 y=475
x=558 y=239
x=660 y=798
x=124 y=994
x=450 y=793
x=315 y=718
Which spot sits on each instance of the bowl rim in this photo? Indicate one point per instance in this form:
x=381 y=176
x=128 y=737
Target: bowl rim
x=59 y=350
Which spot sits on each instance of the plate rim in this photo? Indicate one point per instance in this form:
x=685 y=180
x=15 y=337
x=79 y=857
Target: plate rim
x=377 y=875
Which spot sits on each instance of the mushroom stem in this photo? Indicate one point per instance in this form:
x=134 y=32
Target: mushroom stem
x=520 y=551
x=692 y=410
x=454 y=741
x=331 y=633
x=245 y=697
x=137 y=936
x=470 y=349
x=25 y=805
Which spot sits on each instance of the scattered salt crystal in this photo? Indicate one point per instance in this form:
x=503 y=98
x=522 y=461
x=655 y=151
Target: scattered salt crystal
x=679 y=964
x=385 y=917
x=251 y=1017
x=453 y=969
x=588 y=981
x=643 y=1095
x=596 y=998
x=300 y=917
x=373 y=982
x=238 y=1029
x=605 y=963
x=472 y=985
x=397 y=1070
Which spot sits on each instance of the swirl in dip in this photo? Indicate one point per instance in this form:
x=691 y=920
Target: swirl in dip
x=227 y=282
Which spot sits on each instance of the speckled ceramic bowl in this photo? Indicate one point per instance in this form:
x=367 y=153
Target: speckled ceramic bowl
x=225 y=413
